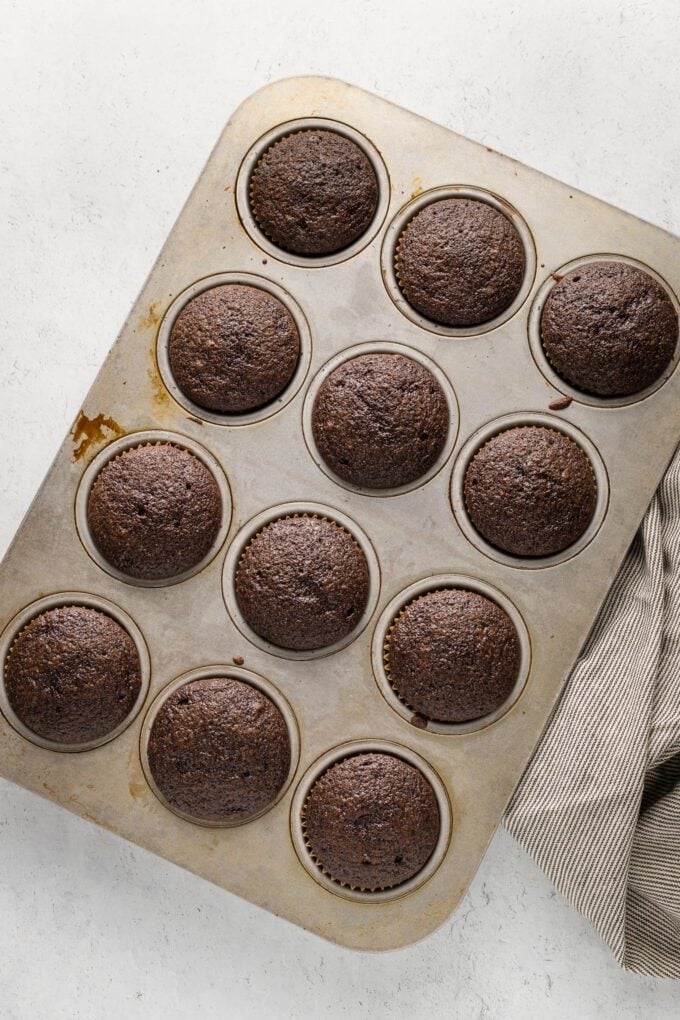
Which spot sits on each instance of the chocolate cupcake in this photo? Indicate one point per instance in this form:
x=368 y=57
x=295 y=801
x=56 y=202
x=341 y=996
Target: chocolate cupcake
x=233 y=348
x=313 y=192
x=530 y=491
x=371 y=822
x=219 y=750
x=460 y=262
x=452 y=655
x=302 y=583
x=609 y=329
x=154 y=511
x=380 y=420
x=72 y=675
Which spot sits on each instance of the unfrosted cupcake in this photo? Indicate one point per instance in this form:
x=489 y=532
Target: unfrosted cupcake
x=530 y=491
x=609 y=328
x=233 y=348
x=452 y=655
x=380 y=420
x=302 y=583
x=313 y=192
x=371 y=821
x=72 y=675
x=219 y=750
x=154 y=511
x=460 y=262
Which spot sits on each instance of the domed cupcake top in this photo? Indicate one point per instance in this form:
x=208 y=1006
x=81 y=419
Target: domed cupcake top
x=530 y=491
x=233 y=348
x=154 y=511
x=609 y=328
x=460 y=262
x=302 y=583
x=72 y=675
x=219 y=750
x=452 y=655
x=380 y=420
x=313 y=192
x=371 y=821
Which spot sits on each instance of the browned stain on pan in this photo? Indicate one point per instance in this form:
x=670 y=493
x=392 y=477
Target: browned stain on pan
x=152 y=318
x=159 y=395
x=89 y=432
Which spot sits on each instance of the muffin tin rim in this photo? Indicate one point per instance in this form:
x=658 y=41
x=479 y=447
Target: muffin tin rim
x=298 y=509
x=89 y=601
x=150 y=437
x=542 y=361
x=378 y=347
x=292 y=387
x=350 y=749
x=275 y=134
x=502 y=424
x=221 y=671
x=444 y=582
x=415 y=205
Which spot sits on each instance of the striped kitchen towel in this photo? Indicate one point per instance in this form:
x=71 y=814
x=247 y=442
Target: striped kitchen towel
x=598 y=806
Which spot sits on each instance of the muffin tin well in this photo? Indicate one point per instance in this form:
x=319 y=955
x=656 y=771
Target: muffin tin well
x=539 y=354
x=377 y=347
x=337 y=701
x=129 y=442
x=253 y=528
x=247 y=417
x=56 y=601
x=477 y=441
x=231 y=671
x=250 y=160
x=333 y=757
x=424 y=587
x=401 y=221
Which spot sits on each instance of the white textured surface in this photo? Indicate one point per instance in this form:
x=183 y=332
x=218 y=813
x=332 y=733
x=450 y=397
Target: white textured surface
x=108 y=114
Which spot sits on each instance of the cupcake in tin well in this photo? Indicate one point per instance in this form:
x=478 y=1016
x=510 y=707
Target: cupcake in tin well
x=72 y=675
x=380 y=420
x=219 y=750
x=302 y=583
x=371 y=821
x=609 y=329
x=452 y=655
x=313 y=192
x=460 y=262
x=233 y=348
x=530 y=491
x=154 y=511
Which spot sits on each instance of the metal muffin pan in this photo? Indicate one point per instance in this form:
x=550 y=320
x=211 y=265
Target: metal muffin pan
x=417 y=539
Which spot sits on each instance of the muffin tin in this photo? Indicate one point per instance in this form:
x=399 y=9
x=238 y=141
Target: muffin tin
x=417 y=538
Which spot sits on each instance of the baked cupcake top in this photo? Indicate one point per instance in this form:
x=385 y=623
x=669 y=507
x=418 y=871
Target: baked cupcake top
x=154 y=511
x=302 y=583
x=452 y=655
x=530 y=491
x=380 y=420
x=233 y=348
x=371 y=822
x=219 y=750
x=460 y=262
x=72 y=675
x=313 y=192
x=609 y=328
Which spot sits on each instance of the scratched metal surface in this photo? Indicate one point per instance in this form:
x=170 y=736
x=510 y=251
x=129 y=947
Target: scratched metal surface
x=415 y=534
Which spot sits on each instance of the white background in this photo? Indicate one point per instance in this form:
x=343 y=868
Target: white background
x=107 y=113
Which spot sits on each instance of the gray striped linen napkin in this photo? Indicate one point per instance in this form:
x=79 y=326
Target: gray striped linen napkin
x=598 y=807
